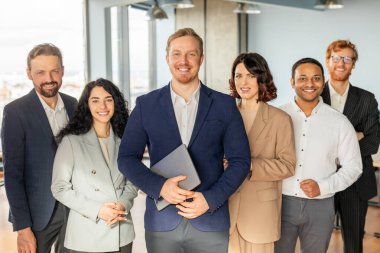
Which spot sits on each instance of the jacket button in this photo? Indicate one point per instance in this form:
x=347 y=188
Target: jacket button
x=93 y=172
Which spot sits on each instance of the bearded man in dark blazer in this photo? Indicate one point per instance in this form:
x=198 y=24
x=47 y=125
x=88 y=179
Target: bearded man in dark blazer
x=361 y=108
x=29 y=126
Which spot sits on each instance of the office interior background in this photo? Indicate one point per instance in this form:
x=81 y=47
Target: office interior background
x=113 y=39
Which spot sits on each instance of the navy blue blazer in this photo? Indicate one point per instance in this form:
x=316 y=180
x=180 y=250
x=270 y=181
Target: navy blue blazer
x=28 y=154
x=218 y=132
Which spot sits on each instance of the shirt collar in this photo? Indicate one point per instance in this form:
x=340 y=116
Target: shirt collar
x=194 y=95
x=315 y=110
x=60 y=105
x=333 y=91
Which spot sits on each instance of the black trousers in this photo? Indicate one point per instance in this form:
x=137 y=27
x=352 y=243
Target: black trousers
x=352 y=211
x=54 y=233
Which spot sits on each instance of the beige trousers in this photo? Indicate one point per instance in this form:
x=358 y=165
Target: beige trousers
x=237 y=244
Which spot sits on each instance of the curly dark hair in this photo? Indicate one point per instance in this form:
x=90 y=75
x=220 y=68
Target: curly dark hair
x=81 y=122
x=257 y=66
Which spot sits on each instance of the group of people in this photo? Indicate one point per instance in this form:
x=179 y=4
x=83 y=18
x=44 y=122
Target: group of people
x=268 y=175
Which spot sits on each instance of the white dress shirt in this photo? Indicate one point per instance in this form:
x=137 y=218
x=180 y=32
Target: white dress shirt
x=338 y=101
x=185 y=113
x=57 y=117
x=321 y=139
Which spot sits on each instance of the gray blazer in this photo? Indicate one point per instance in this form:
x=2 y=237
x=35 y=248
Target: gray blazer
x=83 y=181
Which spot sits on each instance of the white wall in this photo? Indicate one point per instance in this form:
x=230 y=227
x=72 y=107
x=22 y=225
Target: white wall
x=283 y=35
x=215 y=22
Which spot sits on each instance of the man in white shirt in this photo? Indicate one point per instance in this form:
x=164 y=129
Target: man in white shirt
x=29 y=126
x=361 y=108
x=323 y=138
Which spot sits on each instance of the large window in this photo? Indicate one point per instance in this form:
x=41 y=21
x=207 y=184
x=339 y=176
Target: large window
x=126 y=48
x=129 y=52
x=24 y=24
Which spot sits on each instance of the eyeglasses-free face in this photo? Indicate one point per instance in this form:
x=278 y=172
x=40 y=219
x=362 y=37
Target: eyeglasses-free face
x=337 y=58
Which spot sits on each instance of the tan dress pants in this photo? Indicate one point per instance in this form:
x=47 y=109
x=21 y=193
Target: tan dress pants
x=237 y=244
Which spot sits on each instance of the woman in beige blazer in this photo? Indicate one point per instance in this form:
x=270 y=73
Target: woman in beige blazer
x=85 y=174
x=255 y=208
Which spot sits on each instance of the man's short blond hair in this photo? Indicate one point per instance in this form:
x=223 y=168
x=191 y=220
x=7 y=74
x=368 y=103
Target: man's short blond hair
x=185 y=32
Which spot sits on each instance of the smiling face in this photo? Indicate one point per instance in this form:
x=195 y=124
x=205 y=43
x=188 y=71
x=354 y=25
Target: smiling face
x=184 y=59
x=308 y=83
x=46 y=74
x=246 y=83
x=340 y=71
x=102 y=106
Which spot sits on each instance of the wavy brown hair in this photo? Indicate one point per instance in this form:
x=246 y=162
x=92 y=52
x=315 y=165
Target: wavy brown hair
x=257 y=66
x=82 y=120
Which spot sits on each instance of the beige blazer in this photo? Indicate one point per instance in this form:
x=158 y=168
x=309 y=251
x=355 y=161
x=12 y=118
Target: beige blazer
x=255 y=208
x=83 y=181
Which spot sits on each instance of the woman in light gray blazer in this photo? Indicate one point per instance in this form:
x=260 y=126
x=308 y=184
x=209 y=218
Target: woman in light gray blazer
x=86 y=178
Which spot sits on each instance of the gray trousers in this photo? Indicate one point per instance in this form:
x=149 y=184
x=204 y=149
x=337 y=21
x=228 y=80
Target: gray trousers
x=186 y=239
x=311 y=220
x=54 y=233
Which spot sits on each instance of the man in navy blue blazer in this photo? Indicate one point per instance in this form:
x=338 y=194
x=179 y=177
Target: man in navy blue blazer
x=29 y=126
x=209 y=124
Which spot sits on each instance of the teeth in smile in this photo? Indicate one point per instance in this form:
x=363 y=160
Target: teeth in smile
x=102 y=113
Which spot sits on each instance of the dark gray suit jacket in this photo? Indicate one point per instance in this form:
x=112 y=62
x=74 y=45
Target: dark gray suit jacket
x=362 y=110
x=28 y=154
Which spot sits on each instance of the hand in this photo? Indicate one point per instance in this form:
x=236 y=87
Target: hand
x=225 y=163
x=172 y=193
x=310 y=188
x=112 y=212
x=119 y=206
x=194 y=209
x=26 y=241
x=359 y=135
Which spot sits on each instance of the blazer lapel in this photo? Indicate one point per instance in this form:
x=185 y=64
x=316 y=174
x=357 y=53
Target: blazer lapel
x=95 y=158
x=352 y=99
x=70 y=107
x=260 y=121
x=37 y=108
x=167 y=105
x=326 y=94
x=204 y=105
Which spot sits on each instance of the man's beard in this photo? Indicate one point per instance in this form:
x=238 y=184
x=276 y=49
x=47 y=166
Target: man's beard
x=340 y=77
x=51 y=92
